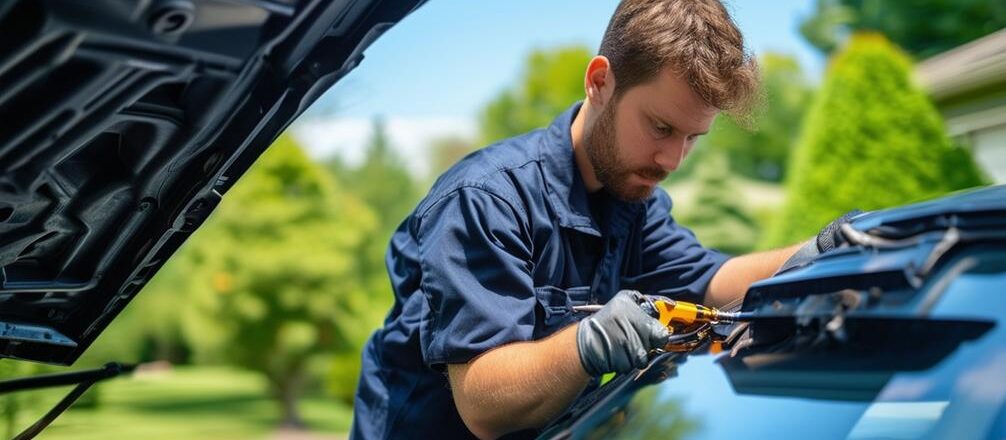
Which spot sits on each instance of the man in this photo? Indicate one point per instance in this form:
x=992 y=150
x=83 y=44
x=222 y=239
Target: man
x=482 y=339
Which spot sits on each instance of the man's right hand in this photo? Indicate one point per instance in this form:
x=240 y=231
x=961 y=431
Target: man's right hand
x=618 y=337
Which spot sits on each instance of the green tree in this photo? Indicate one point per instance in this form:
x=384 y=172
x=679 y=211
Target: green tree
x=383 y=183
x=447 y=151
x=10 y=404
x=718 y=216
x=14 y=406
x=762 y=152
x=148 y=329
x=922 y=27
x=273 y=279
x=552 y=80
x=871 y=140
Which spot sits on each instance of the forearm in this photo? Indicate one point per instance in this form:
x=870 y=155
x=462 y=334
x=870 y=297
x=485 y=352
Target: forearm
x=520 y=385
x=736 y=275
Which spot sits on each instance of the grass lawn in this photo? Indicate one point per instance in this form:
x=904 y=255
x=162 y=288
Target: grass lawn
x=185 y=403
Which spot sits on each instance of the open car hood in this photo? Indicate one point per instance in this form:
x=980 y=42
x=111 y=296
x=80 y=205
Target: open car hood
x=123 y=123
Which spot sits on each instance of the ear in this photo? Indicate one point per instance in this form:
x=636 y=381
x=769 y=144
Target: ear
x=599 y=81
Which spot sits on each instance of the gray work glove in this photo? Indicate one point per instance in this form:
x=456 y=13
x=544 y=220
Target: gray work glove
x=618 y=337
x=829 y=238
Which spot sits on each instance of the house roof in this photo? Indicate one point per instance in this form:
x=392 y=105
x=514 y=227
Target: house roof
x=972 y=66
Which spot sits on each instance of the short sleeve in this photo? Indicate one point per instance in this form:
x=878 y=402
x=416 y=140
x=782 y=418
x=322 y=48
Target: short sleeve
x=673 y=263
x=475 y=257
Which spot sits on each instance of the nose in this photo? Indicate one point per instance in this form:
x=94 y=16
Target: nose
x=670 y=154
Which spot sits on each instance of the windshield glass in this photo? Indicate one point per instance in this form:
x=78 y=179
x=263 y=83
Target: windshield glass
x=961 y=396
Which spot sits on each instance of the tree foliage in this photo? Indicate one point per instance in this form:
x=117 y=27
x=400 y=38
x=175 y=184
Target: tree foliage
x=552 y=80
x=922 y=27
x=273 y=277
x=871 y=140
x=286 y=278
x=382 y=181
x=384 y=184
x=718 y=216
x=448 y=150
x=762 y=152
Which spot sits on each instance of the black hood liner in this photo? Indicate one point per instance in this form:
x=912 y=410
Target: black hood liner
x=122 y=123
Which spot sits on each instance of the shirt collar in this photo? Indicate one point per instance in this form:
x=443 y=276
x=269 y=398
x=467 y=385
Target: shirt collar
x=567 y=193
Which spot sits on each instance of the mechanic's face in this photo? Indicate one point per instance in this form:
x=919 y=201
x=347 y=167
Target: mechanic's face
x=645 y=134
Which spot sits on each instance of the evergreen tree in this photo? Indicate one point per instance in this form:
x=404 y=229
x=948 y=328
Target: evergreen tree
x=717 y=216
x=871 y=140
x=383 y=182
x=385 y=185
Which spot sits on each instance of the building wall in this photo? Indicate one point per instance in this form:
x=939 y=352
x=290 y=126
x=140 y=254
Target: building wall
x=968 y=85
x=989 y=148
x=977 y=120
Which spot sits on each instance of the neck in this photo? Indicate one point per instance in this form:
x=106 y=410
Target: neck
x=576 y=131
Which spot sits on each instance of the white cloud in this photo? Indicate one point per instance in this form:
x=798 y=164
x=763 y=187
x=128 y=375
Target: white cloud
x=347 y=138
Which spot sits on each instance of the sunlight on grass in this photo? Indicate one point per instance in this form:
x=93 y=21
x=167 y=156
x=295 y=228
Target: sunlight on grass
x=192 y=403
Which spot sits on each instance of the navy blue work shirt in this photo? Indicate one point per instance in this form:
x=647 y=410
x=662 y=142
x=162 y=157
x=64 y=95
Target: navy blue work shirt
x=502 y=247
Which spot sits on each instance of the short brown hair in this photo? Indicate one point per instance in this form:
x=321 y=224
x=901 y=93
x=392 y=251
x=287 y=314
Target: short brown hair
x=695 y=38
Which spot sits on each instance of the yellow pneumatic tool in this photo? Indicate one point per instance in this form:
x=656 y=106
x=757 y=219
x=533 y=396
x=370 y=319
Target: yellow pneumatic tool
x=681 y=318
x=678 y=315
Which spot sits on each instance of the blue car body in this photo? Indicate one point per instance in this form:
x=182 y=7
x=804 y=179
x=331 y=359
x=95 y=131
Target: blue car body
x=901 y=334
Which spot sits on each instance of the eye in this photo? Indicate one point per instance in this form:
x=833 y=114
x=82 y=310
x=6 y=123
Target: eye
x=662 y=130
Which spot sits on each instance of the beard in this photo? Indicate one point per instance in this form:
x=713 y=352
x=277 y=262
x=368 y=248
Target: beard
x=610 y=170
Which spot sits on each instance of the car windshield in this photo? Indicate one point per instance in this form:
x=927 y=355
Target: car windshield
x=960 y=396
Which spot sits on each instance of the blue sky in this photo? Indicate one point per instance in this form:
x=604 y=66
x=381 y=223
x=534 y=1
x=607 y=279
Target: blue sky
x=430 y=74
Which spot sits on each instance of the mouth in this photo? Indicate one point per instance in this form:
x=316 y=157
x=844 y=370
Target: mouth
x=650 y=179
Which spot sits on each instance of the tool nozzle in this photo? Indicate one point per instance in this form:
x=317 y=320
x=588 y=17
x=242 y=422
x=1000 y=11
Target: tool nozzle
x=728 y=317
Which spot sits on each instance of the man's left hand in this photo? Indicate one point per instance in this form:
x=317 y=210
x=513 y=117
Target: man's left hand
x=830 y=237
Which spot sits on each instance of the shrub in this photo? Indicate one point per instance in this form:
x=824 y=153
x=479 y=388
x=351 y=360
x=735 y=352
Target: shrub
x=718 y=217
x=871 y=140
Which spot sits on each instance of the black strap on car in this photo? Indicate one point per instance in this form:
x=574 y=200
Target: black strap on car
x=82 y=379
